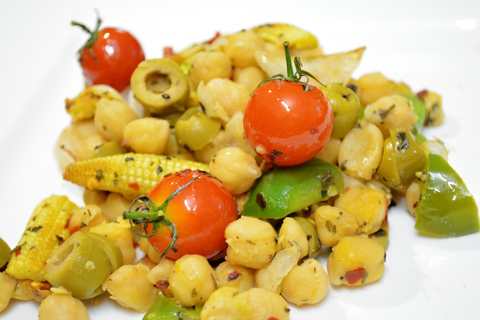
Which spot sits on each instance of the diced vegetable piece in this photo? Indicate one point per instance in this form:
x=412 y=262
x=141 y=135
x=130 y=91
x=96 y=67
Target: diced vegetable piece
x=356 y=261
x=62 y=307
x=130 y=174
x=308 y=227
x=402 y=158
x=286 y=190
x=292 y=234
x=5 y=253
x=119 y=233
x=81 y=265
x=7 y=284
x=45 y=231
x=195 y=130
x=167 y=309
x=278 y=33
x=446 y=207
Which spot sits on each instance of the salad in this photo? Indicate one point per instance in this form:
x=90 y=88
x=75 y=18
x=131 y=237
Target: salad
x=216 y=177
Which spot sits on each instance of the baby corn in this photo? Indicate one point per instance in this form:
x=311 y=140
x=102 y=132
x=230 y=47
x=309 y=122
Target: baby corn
x=130 y=174
x=45 y=230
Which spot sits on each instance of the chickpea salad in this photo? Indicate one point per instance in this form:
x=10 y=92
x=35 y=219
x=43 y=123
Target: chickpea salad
x=218 y=177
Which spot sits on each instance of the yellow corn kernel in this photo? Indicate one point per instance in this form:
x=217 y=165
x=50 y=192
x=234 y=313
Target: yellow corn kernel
x=130 y=174
x=45 y=230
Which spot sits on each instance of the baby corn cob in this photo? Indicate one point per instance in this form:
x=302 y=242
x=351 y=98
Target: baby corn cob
x=130 y=174
x=45 y=230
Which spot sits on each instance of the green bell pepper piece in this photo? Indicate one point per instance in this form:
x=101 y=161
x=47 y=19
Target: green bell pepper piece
x=420 y=110
x=4 y=253
x=166 y=309
x=446 y=207
x=285 y=190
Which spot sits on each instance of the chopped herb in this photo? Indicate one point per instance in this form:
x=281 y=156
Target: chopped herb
x=60 y=240
x=34 y=229
x=99 y=175
x=402 y=142
x=331 y=227
x=159 y=170
x=127 y=159
x=384 y=113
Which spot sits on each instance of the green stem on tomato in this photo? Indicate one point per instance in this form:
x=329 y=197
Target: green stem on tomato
x=93 y=33
x=288 y=58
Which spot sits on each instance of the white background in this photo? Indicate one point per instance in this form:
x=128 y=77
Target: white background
x=432 y=44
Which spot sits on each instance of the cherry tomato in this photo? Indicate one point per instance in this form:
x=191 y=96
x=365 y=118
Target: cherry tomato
x=109 y=56
x=288 y=122
x=200 y=213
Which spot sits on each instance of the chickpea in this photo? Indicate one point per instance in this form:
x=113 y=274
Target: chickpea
x=94 y=197
x=292 y=234
x=7 y=284
x=261 y=304
x=330 y=152
x=222 y=98
x=192 y=280
x=62 y=307
x=333 y=224
x=147 y=135
x=88 y=216
x=356 y=261
x=160 y=273
x=361 y=151
x=130 y=288
x=221 y=305
x=114 y=206
x=235 y=168
x=241 y=48
x=412 y=197
x=111 y=118
x=305 y=284
x=120 y=234
x=251 y=242
x=208 y=65
x=373 y=86
x=368 y=205
x=228 y=275
x=250 y=77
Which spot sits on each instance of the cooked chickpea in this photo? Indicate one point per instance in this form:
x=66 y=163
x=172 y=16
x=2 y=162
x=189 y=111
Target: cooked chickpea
x=368 y=205
x=361 y=151
x=120 y=234
x=94 y=197
x=234 y=167
x=62 y=307
x=222 y=98
x=114 y=206
x=147 y=135
x=130 y=288
x=356 y=261
x=250 y=77
x=111 y=118
x=88 y=216
x=261 y=304
x=159 y=274
x=192 y=280
x=251 y=242
x=208 y=65
x=412 y=197
x=330 y=152
x=305 y=284
x=373 y=86
x=228 y=275
x=221 y=305
x=333 y=224
x=391 y=112
x=241 y=48
x=7 y=284
x=271 y=276
x=292 y=234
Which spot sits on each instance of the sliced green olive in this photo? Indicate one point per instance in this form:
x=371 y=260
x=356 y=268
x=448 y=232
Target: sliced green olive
x=346 y=108
x=4 y=253
x=108 y=149
x=195 y=129
x=80 y=265
x=160 y=85
x=309 y=228
x=113 y=252
x=402 y=158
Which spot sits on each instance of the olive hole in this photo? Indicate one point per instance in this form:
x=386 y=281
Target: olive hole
x=158 y=82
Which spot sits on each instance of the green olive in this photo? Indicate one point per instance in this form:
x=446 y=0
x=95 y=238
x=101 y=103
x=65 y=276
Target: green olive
x=81 y=265
x=195 y=130
x=402 y=158
x=108 y=149
x=4 y=253
x=159 y=85
x=346 y=108
x=310 y=230
x=113 y=252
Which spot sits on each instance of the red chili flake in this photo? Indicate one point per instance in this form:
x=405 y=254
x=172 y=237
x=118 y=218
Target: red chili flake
x=168 y=51
x=233 y=275
x=162 y=285
x=73 y=229
x=215 y=37
x=356 y=275
x=17 y=251
x=272 y=318
x=134 y=186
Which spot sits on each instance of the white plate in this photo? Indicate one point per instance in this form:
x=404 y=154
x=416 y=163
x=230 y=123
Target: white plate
x=430 y=45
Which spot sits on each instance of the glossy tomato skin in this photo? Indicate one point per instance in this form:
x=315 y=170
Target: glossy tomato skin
x=200 y=212
x=112 y=58
x=287 y=124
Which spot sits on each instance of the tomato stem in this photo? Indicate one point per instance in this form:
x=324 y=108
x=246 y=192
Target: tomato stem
x=288 y=58
x=93 y=33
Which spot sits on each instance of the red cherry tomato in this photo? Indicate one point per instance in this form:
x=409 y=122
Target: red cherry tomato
x=288 y=123
x=200 y=213
x=110 y=56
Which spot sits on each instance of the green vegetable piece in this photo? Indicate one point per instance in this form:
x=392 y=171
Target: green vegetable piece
x=446 y=207
x=108 y=149
x=286 y=190
x=81 y=265
x=4 y=253
x=420 y=110
x=195 y=130
x=166 y=309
